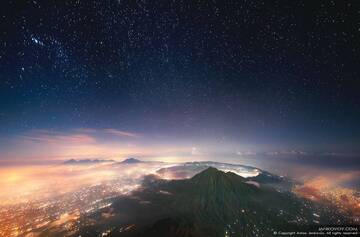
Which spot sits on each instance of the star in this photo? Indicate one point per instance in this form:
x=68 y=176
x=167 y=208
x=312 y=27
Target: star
x=35 y=40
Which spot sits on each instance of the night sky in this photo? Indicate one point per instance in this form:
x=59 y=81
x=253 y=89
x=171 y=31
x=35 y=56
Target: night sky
x=236 y=77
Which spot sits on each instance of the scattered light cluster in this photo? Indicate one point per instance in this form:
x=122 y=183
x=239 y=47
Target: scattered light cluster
x=60 y=212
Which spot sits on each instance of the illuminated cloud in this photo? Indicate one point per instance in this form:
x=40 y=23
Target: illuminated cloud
x=51 y=137
x=195 y=151
x=86 y=130
x=245 y=153
x=286 y=152
x=121 y=133
x=41 y=144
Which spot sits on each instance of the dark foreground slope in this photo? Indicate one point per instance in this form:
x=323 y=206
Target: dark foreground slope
x=212 y=203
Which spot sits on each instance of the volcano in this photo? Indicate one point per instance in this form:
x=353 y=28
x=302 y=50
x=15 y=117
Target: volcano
x=211 y=203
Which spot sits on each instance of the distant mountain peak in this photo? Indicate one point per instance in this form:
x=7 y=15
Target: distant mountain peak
x=85 y=161
x=131 y=161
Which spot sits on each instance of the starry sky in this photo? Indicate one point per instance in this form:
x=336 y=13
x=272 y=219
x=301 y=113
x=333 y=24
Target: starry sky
x=106 y=77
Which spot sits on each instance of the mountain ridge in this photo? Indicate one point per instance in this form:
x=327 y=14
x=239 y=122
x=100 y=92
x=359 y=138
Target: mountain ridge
x=86 y=161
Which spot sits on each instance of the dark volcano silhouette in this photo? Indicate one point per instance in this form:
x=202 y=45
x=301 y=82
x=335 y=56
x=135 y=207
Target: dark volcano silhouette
x=131 y=161
x=212 y=203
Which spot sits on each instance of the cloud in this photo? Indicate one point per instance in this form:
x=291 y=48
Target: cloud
x=51 y=137
x=195 y=151
x=245 y=153
x=41 y=144
x=86 y=130
x=287 y=152
x=76 y=136
x=109 y=131
x=121 y=133
x=325 y=187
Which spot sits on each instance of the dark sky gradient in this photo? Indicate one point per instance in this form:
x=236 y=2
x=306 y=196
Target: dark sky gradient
x=268 y=74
